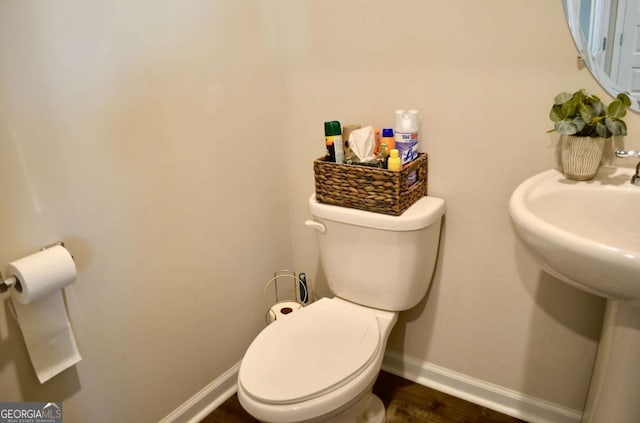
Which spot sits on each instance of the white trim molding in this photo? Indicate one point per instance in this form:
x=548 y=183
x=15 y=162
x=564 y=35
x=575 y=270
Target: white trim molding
x=503 y=400
x=207 y=399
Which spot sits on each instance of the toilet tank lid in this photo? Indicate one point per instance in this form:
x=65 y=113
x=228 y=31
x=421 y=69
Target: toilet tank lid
x=424 y=212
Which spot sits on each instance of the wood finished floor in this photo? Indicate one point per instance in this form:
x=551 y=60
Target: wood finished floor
x=405 y=401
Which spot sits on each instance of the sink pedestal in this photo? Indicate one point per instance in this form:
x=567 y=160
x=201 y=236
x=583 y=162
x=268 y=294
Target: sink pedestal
x=614 y=393
x=584 y=234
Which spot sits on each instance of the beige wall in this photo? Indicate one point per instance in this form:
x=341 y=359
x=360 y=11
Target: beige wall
x=170 y=146
x=146 y=135
x=483 y=76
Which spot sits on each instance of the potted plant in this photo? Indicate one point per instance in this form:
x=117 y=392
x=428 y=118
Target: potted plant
x=585 y=122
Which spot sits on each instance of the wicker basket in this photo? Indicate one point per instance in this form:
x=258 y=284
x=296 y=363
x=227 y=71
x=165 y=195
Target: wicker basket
x=369 y=188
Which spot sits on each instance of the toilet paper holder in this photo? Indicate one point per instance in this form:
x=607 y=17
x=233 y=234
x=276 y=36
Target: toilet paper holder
x=292 y=299
x=7 y=283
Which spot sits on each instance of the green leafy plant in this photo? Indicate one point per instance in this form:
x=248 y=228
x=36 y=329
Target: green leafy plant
x=584 y=115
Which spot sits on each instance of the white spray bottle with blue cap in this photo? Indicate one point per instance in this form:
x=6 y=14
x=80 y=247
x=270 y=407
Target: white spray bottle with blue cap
x=406 y=137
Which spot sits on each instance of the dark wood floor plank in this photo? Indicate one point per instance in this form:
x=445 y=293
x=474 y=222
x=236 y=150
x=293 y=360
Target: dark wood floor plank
x=229 y=412
x=405 y=401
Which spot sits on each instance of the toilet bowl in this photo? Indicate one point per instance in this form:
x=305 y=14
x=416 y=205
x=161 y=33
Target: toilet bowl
x=320 y=364
x=328 y=356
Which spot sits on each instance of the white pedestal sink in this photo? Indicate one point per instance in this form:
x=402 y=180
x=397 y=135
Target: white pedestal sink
x=587 y=234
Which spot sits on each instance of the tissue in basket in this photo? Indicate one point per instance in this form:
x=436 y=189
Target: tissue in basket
x=369 y=188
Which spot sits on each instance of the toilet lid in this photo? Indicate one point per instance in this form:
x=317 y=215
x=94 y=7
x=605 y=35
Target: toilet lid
x=318 y=349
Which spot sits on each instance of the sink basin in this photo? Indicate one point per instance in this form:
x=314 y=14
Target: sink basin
x=587 y=234
x=583 y=233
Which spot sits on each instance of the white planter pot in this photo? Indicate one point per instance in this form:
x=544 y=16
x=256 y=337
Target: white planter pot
x=581 y=157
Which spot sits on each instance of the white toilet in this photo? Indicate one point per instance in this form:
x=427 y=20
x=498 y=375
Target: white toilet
x=320 y=363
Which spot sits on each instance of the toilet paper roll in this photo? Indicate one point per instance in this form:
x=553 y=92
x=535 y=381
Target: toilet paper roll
x=42 y=273
x=283 y=310
x=41 y=312
x=47 y=334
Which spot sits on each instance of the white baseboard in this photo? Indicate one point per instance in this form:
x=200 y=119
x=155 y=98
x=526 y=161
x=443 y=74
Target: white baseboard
x=208 y=399
x=506 y=401
x=503 y=400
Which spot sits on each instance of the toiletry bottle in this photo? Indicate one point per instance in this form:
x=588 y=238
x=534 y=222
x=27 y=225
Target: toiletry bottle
x=346 y=131
x=394 y=161
x=387 y=135
x=333 y=140
x=383 y=152
x=406 y=136
x=376 y=141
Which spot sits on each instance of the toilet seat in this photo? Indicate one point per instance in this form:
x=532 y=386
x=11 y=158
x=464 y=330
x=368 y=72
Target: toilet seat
x=317 y=350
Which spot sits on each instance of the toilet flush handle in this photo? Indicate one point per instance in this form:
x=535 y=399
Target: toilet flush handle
x=318 y=226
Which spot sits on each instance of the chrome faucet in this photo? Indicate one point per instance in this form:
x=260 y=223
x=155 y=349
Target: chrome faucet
x=635 y=179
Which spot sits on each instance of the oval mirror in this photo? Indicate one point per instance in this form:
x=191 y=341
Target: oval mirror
x=607 y=35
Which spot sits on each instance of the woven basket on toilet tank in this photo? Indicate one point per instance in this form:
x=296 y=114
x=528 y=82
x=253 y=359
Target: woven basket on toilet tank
x=370 y=188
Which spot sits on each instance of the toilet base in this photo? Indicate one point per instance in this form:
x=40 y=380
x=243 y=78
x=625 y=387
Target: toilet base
x=368 y=409
x=374 y=411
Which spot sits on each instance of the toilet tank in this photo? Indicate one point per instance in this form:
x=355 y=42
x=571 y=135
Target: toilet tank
x=378 y=260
